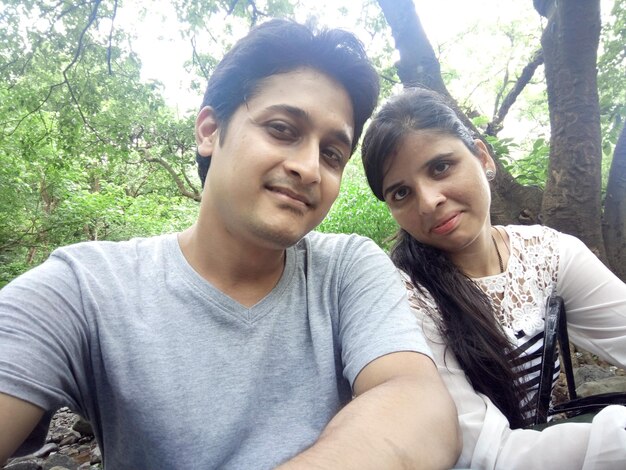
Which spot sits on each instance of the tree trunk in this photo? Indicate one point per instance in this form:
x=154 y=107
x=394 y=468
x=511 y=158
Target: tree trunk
x=615 y=210
x=418 y=66
x=571 y=200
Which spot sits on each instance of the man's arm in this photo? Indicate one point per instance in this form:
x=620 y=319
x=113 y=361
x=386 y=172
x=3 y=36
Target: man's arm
x=402 y=417
x=17 y=419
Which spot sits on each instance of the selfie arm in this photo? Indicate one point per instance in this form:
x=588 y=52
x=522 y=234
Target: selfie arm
x=402 y=417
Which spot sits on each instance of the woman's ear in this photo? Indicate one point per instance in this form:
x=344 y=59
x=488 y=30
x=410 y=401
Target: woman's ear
x=206 y=131
x=484 y=156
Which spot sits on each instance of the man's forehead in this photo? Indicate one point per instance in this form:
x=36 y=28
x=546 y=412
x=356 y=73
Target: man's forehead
x=287 y=80
x=306 y=94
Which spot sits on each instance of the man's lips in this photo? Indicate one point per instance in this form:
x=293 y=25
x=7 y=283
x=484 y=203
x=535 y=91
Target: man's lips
x=446 y=225
x=291 y=194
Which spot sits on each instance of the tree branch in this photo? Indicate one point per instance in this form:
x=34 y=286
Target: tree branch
x=111 y=37
x=79 y=48
x=232 y=7
x=527 y=74
x=196 y=57
x=193 y=194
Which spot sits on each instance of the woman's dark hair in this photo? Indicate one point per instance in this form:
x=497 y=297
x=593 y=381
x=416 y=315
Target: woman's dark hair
x=468 y=321
x=280 y=46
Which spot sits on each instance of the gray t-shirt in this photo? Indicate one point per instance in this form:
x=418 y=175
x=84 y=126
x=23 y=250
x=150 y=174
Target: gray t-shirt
x=172 y=373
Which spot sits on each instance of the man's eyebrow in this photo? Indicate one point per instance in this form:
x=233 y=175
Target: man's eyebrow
x=299 y=113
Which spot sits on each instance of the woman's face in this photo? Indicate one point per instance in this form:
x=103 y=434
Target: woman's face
x=437 y=190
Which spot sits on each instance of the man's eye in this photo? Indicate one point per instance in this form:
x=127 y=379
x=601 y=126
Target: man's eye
x=333 y=156
x=281 y=130
x=439 y=168
x=400 y=194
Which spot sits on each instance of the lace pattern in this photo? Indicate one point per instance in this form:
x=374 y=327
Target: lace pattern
x=520 y=293
x=519 y=296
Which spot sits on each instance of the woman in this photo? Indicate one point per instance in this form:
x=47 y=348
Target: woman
x=481 y=290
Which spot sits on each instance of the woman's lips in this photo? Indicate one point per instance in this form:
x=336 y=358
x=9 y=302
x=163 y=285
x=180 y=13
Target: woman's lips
x=447 y=226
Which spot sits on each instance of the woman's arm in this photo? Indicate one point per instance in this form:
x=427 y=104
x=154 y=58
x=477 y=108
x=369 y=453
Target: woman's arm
x=489 y=443
x=595 y=301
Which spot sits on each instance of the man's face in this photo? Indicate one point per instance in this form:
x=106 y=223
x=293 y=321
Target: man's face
x=278 y=171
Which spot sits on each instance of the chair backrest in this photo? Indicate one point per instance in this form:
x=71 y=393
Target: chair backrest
x=566 y=355
x=554 y=310
x=556 y=333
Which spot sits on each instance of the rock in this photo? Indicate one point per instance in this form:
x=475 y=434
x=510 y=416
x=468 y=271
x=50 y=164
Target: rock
x=57 y=433
x=96 y=456
x=83 y=427
x=29 y=464
x=71 y=438
x=591 y=373
x=608 y=385
x=46 y=449
x=57 y=461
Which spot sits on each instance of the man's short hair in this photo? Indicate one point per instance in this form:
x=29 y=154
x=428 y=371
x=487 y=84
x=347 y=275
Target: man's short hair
x=280 y=46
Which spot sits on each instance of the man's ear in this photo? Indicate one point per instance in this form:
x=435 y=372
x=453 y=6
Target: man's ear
x=206 y=131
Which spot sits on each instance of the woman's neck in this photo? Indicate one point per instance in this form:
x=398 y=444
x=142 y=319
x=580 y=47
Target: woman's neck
x=486 y=256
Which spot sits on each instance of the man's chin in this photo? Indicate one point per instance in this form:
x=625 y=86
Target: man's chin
x=279 y=239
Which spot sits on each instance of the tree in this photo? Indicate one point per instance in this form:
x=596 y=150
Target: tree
x=89 y=150
x=615 y=209
x=572 y=200
x=84 y=143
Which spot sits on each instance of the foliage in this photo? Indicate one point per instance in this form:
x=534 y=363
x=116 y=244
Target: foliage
x=358 y=211
x=530 y=169
x=612 y=75
x=85 y=145
x=89 y=150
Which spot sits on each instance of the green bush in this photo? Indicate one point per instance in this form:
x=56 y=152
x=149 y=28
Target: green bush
x=356 y=210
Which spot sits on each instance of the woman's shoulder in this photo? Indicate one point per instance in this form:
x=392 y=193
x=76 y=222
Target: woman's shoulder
x=531 y=231
x=421 y=301
x=528 y=236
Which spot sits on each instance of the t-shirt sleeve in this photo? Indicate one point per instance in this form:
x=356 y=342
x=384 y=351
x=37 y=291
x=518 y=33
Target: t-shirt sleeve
x=595 y=301
x=42 y=339
x=374 y=315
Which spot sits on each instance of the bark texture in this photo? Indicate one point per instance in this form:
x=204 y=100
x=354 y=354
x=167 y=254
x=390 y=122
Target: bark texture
x=571 y=200
x=615 y=210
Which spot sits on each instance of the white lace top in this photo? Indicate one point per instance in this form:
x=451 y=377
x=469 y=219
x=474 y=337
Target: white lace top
x=541 y=261
x=520 y=293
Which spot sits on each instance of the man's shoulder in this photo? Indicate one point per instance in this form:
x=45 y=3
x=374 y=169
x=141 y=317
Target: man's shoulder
x=349 y=254
x=334 y=241
x=115 y=245
x=135 y=250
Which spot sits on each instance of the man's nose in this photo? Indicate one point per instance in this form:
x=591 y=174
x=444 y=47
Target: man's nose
x=304 y=163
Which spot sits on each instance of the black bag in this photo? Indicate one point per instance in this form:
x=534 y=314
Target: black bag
x=556 y=332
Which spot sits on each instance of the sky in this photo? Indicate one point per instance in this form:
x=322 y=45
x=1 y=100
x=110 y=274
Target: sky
x=467 y=40
x=163 y=53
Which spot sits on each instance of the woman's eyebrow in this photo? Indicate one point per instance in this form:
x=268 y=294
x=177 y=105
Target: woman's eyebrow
x=392 y=188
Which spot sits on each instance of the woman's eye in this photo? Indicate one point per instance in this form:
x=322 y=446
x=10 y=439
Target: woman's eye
x=281 y=130
x=440 y=168
x=400 y=194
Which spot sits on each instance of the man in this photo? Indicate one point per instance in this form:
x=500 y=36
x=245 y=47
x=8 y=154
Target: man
x=239 y=342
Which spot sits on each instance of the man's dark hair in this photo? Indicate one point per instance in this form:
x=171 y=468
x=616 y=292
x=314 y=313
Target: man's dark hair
x=280 y=46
